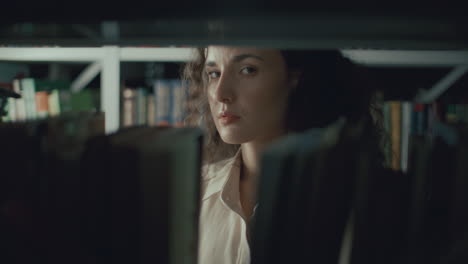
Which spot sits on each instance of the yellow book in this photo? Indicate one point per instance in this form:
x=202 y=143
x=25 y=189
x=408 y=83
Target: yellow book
x=395 y=134
x=54 y=103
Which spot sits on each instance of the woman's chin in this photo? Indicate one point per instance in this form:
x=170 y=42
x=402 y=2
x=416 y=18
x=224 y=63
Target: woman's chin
x=232 y=138
x=231 y=141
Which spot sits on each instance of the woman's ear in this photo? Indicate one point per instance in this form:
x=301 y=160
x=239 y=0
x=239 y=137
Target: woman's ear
x=294 y=78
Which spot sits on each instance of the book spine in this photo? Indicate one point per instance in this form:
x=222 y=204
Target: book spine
x=141 y=106
x=128 y=107
x=414 y=120
x=461 y=112
x=185 y=87
x=419 y=119
x=437 y=111
x=395 y=109
x=431 y=119
x=138 y=102
x=84 y=100
x=4 y=110
x=65 y=100
x=172 y=102
x=387 y=128
x=466 y=113
x=12 y=109
x=406 y=108
x=425 y=119
x=179 y=103
x=451 y=116
x=157 y=109
x=42 y=104
x=162 y=93
x=54 y=103
x=151 y=110
x=19 y=103
x=29 y=91
x=456 y=110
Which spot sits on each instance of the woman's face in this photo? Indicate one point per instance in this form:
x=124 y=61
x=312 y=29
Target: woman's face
x=247 y=92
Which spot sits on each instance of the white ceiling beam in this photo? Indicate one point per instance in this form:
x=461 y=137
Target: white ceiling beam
x=407 y=58
x=156 y=54
x=387 y=58
x=92 y=54
x=51 y=54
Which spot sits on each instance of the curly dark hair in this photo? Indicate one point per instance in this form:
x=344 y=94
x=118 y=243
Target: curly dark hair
x=330 y=86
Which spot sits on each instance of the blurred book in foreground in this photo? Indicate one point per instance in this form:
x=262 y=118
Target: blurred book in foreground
x=71 y=194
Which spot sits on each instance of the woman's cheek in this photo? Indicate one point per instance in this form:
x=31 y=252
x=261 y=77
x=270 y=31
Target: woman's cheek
x=210 y=95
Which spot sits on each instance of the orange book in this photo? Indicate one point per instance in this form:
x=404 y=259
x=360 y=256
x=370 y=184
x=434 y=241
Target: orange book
x=42 y=104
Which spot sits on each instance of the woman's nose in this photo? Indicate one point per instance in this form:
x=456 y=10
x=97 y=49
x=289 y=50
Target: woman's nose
x=225 y=90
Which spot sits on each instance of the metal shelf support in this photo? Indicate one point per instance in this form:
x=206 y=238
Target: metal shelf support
x=441 y=86
x=110 y=88
x=86 y=76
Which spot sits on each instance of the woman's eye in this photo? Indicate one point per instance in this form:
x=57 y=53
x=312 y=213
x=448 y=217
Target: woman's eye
x=248 y=70
x=213 y=74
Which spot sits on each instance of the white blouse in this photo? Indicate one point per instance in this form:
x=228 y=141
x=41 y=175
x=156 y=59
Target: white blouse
x=223 y=226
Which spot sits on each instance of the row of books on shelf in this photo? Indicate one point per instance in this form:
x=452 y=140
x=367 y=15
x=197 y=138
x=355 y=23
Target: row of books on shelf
x=44 y=98
x=161 y=105
x=70 y=193
x=360 y=212
x=69 y=190
x=404 y=120
x=164 y=104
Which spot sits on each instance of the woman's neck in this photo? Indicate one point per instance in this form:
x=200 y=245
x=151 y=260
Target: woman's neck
x=251 y=157
x=251 y=153
x=250 y=171
x=249 y=174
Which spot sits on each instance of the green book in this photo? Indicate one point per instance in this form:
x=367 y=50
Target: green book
x=48 y=85
x=84 y=101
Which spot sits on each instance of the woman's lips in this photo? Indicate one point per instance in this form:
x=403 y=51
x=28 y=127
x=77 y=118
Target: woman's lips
x=228 y=118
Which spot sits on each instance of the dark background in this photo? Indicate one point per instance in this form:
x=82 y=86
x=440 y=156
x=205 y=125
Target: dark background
x=282 y=24
x=292 y=24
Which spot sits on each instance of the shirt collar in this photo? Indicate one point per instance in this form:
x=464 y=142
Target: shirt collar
x=220 y=173
x=230 y=190
x=230 y=195
x=226 y=182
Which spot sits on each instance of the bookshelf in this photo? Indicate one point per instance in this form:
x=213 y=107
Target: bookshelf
x=105 y=60
x=456 y=59
x=406 y=30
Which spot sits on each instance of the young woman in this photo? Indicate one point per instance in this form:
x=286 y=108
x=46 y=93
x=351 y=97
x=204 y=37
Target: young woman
x=246 y=98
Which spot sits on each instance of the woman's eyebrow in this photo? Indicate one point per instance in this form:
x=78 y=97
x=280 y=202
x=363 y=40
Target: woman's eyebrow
x=236 y=59
x=210 y=64
x=241 y=57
